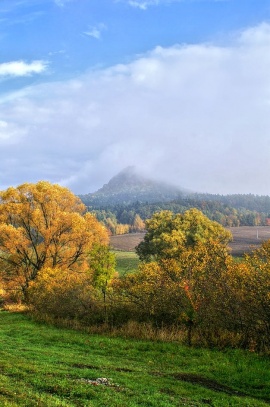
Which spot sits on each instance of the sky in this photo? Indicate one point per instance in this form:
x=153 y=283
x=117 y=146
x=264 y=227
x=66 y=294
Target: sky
x=178 y=88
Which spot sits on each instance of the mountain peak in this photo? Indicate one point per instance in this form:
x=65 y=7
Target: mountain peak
x=130 y=186
x=128 y=174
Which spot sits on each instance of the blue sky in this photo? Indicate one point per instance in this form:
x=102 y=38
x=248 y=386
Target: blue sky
x=179 y=88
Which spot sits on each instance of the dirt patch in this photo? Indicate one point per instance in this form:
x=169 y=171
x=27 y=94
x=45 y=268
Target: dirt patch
x=248 y=238
x=245 y=239
x=126 y=243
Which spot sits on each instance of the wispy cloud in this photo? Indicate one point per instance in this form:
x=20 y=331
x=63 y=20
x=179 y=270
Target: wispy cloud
x=19 y=12
x=61 y=3
x=24 y=19
x=145 y=4
x=21 y=68
x=96 y=31
x=7 y=6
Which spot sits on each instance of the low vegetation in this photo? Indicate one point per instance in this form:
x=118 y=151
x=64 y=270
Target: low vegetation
x=43 y=365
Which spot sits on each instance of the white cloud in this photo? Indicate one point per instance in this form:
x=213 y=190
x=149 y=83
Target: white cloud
x=3 y=127
x=143 y=5
x=96 y=31
x=195 y=115
x=21 y=68
x=254 y=36
x=9 y=133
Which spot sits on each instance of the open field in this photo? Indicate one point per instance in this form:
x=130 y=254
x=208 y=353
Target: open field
x=245 y=238
x=126 y=242
x=126 y=261
x=41 y=365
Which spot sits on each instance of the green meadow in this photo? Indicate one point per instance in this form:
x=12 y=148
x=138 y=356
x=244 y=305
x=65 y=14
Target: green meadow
x=41 y=365
x=126 y=262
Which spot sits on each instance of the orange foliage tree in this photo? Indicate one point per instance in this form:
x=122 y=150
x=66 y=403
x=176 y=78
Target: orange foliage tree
x=44 y=225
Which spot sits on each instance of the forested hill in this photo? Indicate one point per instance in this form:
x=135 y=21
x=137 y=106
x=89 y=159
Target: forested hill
x=129 y=186
x=129 y=195
x=259 y=203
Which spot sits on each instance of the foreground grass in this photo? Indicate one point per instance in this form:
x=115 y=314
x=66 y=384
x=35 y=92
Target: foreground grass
x=126 y=262
x=42 y=365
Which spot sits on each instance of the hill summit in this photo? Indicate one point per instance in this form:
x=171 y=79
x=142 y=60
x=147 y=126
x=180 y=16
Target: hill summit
x=130 y=186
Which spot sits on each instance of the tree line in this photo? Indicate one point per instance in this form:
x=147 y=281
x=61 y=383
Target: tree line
x=130 y=217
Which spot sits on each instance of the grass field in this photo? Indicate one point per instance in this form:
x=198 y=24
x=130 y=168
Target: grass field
x=46 y=366
x=245 y=239
x=126 y=262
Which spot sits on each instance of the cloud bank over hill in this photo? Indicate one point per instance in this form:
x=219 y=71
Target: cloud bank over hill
x=194 y=115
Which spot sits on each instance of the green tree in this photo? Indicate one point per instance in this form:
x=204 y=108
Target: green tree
x=168 y=234
x=191 y=292
x=185 y=261
x=102 y=264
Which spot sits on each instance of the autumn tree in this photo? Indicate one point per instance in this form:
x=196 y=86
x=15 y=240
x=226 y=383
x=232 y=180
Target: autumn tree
x=58 y=293
x=184 y=260
x=190 y=291
x=72 y=294
x=168 y=234
x=253 y=293
x=138 y=224
x=44 y=226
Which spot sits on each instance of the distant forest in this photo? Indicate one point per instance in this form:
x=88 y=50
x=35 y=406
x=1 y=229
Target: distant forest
x=228 y=210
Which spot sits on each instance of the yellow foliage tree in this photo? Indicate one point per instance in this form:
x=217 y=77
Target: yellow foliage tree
x=121 y=229
x=138 y=224
x=253 y=295
x=44 y=225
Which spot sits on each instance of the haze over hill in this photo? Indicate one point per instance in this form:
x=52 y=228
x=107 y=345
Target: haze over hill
x=129 y=193
x=130 y=186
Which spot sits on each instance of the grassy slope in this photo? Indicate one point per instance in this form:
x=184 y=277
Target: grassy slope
x=45 y=366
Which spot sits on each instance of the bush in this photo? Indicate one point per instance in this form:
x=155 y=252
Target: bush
x=66 y=294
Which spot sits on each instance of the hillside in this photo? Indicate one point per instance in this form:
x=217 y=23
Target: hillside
x=129 y=193
x=129 y=186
